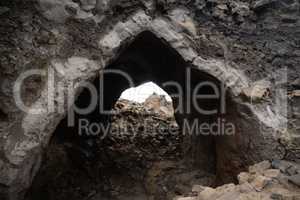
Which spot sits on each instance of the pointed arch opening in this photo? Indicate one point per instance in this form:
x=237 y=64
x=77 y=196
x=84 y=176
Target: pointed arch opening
x=206 y=145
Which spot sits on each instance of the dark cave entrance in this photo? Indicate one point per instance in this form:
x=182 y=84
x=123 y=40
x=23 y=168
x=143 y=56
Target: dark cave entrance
x=147 y=58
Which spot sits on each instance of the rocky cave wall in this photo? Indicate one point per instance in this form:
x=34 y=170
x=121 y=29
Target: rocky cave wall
x=245 y=44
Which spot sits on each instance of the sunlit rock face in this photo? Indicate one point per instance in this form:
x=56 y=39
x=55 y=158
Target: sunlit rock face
x=159 y=104
x=253 y=48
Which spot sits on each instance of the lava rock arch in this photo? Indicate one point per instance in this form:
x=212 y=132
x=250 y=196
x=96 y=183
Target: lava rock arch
x=23 y=149
x=148 y=58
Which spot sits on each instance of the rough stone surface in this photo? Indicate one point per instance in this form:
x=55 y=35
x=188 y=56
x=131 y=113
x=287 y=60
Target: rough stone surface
x=260 y=167
x=258 y=92
x=236 y=42
x=272 y=173
x=257 y=187
x=295 y=179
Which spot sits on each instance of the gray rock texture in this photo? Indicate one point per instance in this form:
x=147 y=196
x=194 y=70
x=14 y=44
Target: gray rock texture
x=252 y=47
x=262 y=182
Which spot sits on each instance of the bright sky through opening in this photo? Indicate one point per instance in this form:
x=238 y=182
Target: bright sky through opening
x=142 y=92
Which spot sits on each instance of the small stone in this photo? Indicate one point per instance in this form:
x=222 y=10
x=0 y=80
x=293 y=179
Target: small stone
x=260 y=182
x=272 y=173
x=282 y=165
x=246 y=188
x=83 y=15
x=197 y=188
x=257 y=92
x=295 y=179
x=182 y=18
x=102 y=6
x=243 y=177
x=150 y=5
x=260 y=167
x=56 y=10
x=292 y=170
x=222 y=7
x=206 y=194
